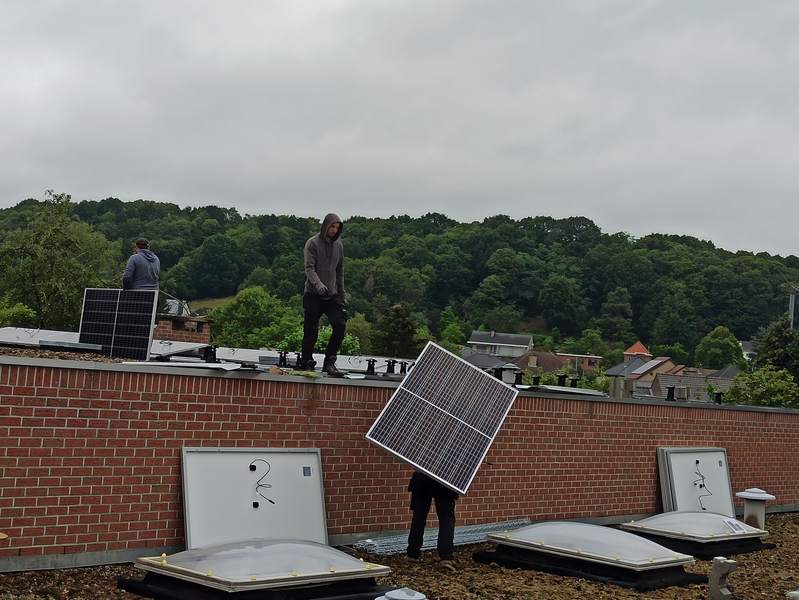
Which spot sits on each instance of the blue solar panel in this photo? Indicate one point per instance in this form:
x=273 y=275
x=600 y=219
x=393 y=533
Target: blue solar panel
x=443 y=417
x=120 y=321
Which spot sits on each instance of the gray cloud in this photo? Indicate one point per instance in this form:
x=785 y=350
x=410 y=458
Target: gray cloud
x=644 y=116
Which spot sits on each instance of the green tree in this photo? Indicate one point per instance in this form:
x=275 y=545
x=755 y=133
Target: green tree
x=251 y=310
x=562 y=303
x=361 y=329
x=449 y=316
x=16 y=315
x=615 y=321
x=48 y=263
x=718 y=349
x=211 y=271
x=292 y=341
x=507 y=319
x=489 y=296
x=766 y=386
x=674 y=351
x=394 y=334
x=778 y=346
x=453 y=335
x=678 y=320
x=590 y=342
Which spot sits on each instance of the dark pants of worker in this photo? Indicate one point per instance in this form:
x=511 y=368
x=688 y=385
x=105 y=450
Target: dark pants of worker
x=316 y=306
x=445 y=510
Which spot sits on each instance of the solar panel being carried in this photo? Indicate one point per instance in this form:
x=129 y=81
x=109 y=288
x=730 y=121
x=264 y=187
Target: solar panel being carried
x=443 y=417
x=120 y=321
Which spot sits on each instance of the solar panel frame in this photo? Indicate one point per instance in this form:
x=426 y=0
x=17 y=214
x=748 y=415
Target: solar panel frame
x=412 y=423
x=121 y=321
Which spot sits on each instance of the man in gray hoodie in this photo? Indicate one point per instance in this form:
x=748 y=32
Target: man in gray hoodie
x=143 y=268
x=324 y=293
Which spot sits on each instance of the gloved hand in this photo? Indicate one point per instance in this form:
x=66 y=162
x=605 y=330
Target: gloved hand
x=322 y=290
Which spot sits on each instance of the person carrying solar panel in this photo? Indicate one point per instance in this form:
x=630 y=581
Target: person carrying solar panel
x=324 y=293
x=424 y=490
x=143 y=268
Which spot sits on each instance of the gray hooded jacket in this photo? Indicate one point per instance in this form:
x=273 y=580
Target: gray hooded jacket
x=324 y=262
x=142 y=271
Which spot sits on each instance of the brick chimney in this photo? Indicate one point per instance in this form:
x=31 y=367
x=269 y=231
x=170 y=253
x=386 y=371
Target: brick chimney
x=183 y=329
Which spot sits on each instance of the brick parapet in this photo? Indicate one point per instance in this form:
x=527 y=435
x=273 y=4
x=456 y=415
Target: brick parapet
x=90 y=454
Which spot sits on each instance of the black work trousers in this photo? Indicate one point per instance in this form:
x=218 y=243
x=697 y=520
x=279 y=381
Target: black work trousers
x=316 y=306
x=445 y=510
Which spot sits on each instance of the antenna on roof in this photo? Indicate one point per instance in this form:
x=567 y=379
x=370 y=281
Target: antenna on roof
x=175 y=306
x=792 y=303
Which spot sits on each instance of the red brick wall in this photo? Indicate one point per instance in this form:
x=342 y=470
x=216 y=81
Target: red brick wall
x=90 y=459
x=182 y=329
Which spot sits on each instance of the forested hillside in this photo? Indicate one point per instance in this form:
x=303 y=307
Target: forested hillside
x=555 y=277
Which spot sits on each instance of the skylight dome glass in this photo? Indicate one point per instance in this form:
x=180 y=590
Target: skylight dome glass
x=696 y=526
x=592 y=543
x=258 y=564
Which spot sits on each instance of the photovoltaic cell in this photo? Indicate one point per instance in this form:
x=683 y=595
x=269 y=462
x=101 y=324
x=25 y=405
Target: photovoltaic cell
x=121 y=321
x=443 y=417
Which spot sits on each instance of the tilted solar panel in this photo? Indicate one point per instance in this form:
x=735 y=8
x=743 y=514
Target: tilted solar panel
x=121 y=321
x=443 y=417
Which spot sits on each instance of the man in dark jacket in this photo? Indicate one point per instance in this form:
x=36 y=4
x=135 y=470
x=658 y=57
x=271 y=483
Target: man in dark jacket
x=324 y=293
x=424 y=490
x=143 y=268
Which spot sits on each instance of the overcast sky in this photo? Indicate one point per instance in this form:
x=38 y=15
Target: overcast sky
x=674 y=116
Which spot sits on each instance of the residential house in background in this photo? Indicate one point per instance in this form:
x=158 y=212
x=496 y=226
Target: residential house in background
x=544 y=362
x=508 y=345
x=618 y=375
x=692 y=384
x=635 y=376
x=644 y=375
x=580 y=363
x=637 y=350
x=491 y=363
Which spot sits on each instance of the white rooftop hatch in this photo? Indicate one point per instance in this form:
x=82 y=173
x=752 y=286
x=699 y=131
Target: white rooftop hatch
x=262 y=563
x=593 y=543
x=232 y=494
x=696 y=526
x=695 y=479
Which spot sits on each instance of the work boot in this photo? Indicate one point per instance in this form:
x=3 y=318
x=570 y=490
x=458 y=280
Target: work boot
x=305 y=365
x=329 y=367
x=447 y=566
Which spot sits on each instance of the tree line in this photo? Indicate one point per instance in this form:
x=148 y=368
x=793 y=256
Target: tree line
x=573 y=286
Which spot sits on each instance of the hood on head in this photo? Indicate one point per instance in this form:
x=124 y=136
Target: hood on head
x=327 y=222
x=148 y=254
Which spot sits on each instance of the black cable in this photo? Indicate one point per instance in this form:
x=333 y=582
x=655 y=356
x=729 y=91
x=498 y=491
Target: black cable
x=258 y=484
x=701 y=484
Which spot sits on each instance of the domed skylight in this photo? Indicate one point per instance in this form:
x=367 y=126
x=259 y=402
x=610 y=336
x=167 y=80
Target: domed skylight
x=592 y=543
x=258 y=564
x=696 y=526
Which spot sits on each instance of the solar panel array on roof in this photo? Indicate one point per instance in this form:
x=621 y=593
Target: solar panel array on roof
x=120 y=321
x=443 y=417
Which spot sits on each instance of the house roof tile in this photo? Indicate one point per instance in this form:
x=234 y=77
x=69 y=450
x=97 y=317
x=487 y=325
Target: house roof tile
x=637 y=348
x=622 y=369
